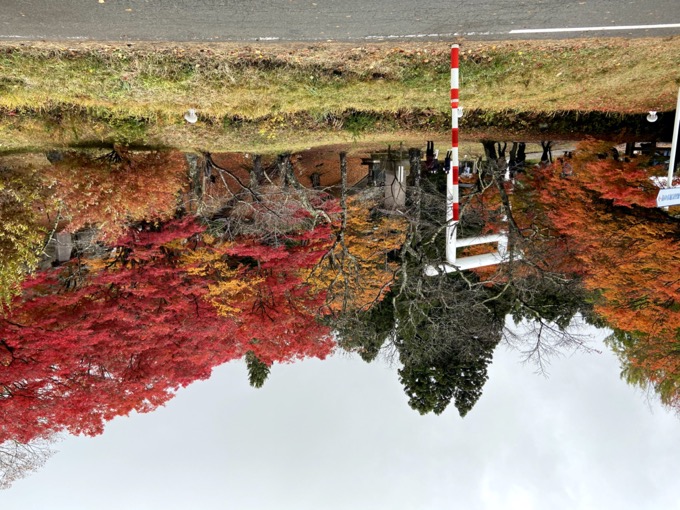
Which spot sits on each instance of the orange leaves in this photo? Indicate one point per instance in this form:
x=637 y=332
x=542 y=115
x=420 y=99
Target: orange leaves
x=114 y=190
x=626 y=183
x=628 y=250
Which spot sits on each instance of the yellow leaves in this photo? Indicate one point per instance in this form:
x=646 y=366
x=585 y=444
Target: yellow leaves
x=359 y=273
x=231 y=285
x=21 y=235
x=225 y=295
x=200 y=262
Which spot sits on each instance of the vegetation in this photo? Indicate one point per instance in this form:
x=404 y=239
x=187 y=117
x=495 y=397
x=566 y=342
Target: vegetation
x=99 y=338
x=21 y=232
x=252 y=265
x=627 y=251
x=116 y=189
x=273 y=98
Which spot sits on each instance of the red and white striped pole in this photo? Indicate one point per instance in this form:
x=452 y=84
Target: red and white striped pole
x=453 y=208
x=452 y=200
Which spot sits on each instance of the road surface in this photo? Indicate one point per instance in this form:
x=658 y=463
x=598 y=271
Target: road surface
x=335 y=20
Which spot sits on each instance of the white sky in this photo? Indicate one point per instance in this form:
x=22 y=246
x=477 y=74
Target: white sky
x=338 y=434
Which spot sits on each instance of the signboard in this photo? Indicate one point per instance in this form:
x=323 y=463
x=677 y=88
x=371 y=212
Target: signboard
x=668 y=196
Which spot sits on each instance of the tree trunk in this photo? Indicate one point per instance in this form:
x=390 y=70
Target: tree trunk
x=490 y=150
x=257 y=174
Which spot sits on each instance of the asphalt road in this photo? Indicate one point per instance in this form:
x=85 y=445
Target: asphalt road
x=321 y=20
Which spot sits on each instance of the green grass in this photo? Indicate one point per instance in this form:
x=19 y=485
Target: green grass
x=270 y=98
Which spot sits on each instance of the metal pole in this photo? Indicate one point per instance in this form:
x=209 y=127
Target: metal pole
x=452 y=205
x=452 y=200
x=674 y=144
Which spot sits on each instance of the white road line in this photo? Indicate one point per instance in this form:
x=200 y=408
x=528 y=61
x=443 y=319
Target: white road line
x=407 y=36
x=41 y=37
x=416 y=36
x=438 y=36
x=591 y=29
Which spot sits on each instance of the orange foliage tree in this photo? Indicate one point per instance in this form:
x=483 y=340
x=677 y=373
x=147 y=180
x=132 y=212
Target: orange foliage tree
x=114 y=190
x=627 y=250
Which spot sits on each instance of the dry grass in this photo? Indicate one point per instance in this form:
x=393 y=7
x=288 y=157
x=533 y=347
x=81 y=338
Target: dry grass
x=612 y=75
x=270 y=98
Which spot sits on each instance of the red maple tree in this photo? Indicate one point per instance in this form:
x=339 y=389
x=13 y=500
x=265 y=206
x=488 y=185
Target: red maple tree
x=88 y=342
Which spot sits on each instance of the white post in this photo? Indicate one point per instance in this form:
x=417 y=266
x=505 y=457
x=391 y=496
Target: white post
x=674 y=144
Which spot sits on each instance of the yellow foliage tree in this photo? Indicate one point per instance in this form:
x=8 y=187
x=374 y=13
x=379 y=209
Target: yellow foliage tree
x=357 y=271
x=21 y=235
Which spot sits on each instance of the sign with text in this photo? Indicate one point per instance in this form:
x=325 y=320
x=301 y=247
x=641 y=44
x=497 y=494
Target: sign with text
x=668 y=196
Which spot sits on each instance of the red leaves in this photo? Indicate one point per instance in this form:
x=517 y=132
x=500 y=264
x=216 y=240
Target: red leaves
x=125 y=337
x=277 y=318
x=152 y=237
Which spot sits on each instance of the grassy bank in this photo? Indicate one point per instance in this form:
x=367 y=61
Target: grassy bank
x=268 y=98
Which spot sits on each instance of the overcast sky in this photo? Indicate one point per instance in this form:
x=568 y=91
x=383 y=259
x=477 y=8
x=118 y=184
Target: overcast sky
x=338 y=434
